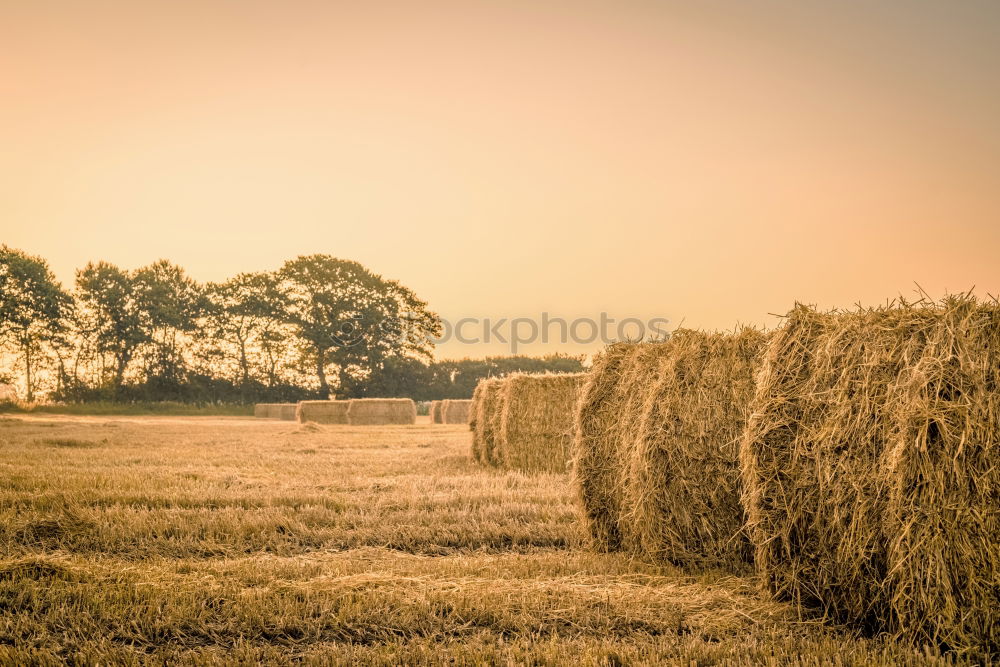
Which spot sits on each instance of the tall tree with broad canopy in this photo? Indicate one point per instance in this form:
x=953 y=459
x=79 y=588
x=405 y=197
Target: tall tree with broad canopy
x=111 y=315
x=33 y=308
x=247 y=310
x=170 y=304
x=351 y=318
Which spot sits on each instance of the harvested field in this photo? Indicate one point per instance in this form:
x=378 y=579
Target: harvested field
x=872 y=466
x=381 y=411
x=222 y=541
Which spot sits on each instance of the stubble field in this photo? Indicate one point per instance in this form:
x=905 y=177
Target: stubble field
x=229 y=540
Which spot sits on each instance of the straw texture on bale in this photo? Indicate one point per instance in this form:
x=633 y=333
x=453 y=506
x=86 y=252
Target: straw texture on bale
x=534 y=429
x=657 y=444
x=322 y=412
x=872 y=469
x=435 y=412
x=484 y=419
x=373 y=411
x=455 y=411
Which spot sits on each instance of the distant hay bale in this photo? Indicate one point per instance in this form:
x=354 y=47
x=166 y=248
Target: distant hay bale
x=656 y=452
x=534 y=428
x=372 y=411
x=872 y=469
x=455 y=411
x=322 y=412
x=484 y=415
x=435 y=412
x=274 y=411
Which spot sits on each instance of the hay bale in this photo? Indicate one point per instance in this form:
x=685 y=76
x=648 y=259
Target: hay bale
x=535 y=423
x=484 y=414
x=607 y=419
x=322 y=412
x=435 y=412
x=372 y=411
x=455 y=411
x=270 y=410
x=657 y=447
x=287 y=411
x=872 y=468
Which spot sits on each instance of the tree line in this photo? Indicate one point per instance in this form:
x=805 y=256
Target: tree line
x=318 y=326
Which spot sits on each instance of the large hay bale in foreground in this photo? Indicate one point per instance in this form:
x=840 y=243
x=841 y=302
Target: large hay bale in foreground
x=322 y=412
x=435 y=412
x=374 y=411
x=872 y=469
x=455 y=411
x=657 y=447
x=534 y=429
x=484 y=419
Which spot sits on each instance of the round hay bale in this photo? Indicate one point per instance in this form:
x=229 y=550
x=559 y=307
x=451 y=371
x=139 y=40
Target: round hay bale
x=944 y=484
x=681 y=500
x=483 y=419
x=813 y=459
x=607 y=419
x=535 y=425
x=376 y=411
x=872 y=469
x=455 y=411
x=322 y=412
x=435 y=412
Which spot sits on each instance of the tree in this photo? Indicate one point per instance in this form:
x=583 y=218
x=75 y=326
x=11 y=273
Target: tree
x=353 y=319
x=111 y=315
x=33 y=307
x=245 y=310
x=169 y=304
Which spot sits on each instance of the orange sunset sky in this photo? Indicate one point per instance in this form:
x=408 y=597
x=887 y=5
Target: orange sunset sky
x=707 y=161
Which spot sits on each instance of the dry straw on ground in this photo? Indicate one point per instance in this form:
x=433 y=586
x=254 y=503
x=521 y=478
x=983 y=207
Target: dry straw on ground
x=435 y=412
x=872 y=467
x=322 y=412
x=483 y=419
x=454 y=411
x=657 y=447
x=534 y=427
x=370 y=411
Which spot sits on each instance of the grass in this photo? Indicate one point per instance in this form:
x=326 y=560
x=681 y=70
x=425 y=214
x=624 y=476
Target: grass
x=164 y=408
x=200 y=541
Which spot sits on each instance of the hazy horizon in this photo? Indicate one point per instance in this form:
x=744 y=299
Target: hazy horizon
x=709 y=162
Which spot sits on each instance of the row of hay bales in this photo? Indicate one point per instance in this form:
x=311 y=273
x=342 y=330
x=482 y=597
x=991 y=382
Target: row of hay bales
x=525 y=422
x=359 y=411
x=852 y=458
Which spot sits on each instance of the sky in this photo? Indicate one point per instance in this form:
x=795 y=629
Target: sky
x=709 y=163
